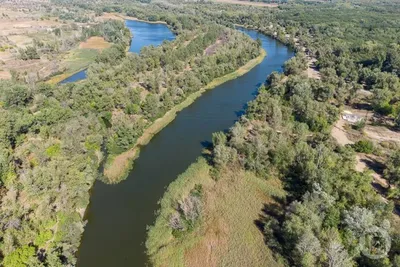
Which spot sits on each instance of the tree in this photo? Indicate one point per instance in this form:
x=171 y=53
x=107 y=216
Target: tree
x=309 y=248
x=218 y=138
x=20 y=257
x=30 y=52
x=336 y=253
x=392 y=171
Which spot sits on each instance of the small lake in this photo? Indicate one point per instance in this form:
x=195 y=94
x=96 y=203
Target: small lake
x=118 y=214
x=141 y=37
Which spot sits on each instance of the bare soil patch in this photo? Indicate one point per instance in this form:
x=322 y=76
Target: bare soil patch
x=340 y=134
x=312 y=71
x=210 y=50
x=5 y=75
x=371 y=163
x=381 y=133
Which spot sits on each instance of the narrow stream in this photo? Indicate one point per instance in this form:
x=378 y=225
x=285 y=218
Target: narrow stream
x=118 y=214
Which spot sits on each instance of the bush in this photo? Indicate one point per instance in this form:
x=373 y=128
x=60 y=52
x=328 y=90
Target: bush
x=29 y=53
x=364 y=146
x=360 y=125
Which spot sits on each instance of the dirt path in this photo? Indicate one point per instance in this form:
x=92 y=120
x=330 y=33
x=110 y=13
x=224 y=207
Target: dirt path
x=339 y=133
x=312 y=71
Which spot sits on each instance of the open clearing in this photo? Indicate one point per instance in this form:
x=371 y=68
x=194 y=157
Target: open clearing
x=343 y=133
x=339 y=133
x=227 y=234
x=75 y=61
x=312 y=71
x=95 y=42
x=247 y=3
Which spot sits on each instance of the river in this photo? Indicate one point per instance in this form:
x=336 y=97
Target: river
x=118 y=214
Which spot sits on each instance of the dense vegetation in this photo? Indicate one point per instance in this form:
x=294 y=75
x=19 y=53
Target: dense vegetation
x=53 y=138
x=331 y=215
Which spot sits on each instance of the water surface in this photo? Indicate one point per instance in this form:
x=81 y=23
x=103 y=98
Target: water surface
x=142 y=35
x=118 y=214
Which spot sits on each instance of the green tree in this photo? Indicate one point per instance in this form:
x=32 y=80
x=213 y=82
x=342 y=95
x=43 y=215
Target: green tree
x=392 y=171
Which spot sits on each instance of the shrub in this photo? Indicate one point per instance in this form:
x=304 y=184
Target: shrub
x=364 y=146
x=360 y=125
x=29 y=53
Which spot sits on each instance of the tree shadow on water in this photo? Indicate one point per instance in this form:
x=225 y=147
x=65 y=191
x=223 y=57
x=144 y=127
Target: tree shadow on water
x=242 y=111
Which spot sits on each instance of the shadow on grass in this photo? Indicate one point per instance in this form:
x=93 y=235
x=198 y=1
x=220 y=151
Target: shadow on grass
x=270 y=223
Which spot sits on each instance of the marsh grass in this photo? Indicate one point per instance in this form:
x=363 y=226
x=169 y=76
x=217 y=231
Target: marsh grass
x=227 y=233
x=75 y=61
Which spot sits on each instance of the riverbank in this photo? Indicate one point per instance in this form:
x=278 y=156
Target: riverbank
x=121 y=17
x=61 y=77
x=118 y=166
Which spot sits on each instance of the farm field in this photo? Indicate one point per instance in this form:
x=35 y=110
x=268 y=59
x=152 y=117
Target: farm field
x=57 y=42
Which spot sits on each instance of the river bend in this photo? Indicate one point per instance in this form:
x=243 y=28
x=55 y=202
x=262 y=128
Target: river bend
x=118 y=214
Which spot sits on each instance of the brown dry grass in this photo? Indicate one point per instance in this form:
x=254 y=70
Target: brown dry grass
x=20 y=40
x=108 y=16
x=227 y=234
x=117 y=16
x=247 y=3
x=95 y=42
x=230 y=236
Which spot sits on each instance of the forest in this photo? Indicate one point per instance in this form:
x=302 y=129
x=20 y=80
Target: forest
x=54 y=138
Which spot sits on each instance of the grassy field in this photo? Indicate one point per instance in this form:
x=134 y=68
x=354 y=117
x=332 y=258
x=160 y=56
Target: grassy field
x=227 y=234
x=75 y=61
x=117 y=166
x=95 y=42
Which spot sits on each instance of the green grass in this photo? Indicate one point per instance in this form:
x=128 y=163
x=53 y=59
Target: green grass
x=79 y=59
x=75 y=61
x=226 y=234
